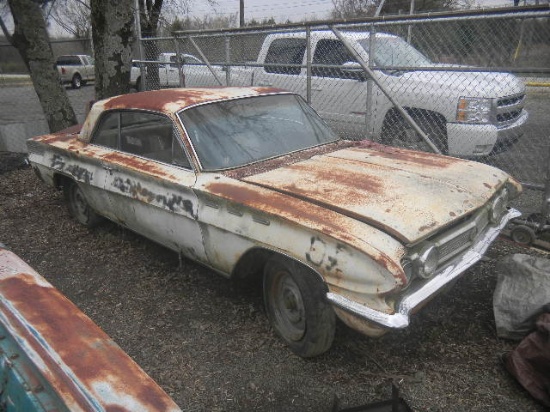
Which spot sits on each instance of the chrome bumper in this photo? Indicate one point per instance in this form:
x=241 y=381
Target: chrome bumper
x=401 y=318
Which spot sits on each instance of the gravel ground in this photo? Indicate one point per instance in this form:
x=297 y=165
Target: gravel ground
x=206 y=339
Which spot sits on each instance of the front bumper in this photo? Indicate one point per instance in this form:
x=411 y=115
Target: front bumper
x=473 y=140
x=413 y=299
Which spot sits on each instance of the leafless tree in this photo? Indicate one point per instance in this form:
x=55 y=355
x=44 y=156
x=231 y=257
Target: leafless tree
x=73 y=16
x=112 y=35
x=30 y=37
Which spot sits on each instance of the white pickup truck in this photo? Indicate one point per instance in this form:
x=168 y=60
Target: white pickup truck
x=464 y=113
x=169 y=74
x=75 y=69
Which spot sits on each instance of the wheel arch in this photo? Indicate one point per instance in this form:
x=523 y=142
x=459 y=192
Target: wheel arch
x=252 y=263
x=60 y=180
x=414 y=112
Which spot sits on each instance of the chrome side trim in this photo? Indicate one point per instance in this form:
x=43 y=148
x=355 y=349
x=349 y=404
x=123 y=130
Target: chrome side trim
x=401 y=318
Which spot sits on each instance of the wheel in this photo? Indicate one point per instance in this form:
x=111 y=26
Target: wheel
x=76 y=82
x=296 y=305
x=138 y=84
x=397 y=132
x=78 y=205
x=523 y=235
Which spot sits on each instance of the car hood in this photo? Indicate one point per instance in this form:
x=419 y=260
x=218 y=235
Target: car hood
x=410 y=195
x=470 y=84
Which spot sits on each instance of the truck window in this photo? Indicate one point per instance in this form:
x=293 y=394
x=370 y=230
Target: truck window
x=68 y=61
x=334 y=53
x=284 y=52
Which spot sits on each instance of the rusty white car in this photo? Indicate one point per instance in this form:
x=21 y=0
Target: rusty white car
x=251 y=182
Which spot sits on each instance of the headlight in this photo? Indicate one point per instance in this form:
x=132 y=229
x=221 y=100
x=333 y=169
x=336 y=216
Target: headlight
x=427 y=262
x=408 y=269
x=498 y=206
x=473 y=110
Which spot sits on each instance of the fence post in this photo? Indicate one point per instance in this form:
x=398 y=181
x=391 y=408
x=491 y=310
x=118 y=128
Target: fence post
x=370 y=83
x=228 y=61
x=308 y=64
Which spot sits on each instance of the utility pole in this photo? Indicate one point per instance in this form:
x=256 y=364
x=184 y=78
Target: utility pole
x=241 y=13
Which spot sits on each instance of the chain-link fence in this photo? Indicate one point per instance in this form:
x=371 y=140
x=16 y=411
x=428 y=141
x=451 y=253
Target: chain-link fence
x=473 y=85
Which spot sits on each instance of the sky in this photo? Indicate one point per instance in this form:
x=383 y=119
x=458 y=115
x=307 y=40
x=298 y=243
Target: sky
x=281 y=10
x=293 y=10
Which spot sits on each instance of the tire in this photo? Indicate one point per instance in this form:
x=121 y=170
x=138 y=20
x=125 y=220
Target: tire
x=76 y=82
x=78 y=205
x=397 y=132
x=297 y=308
x=523 y=235
x=138 y=84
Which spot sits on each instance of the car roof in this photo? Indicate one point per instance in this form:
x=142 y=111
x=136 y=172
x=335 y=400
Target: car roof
x=169 y=101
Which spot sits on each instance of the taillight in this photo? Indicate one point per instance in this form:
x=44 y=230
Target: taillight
x=62 y=70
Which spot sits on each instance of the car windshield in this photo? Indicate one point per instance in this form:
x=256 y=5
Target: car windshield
x=395 y=52
x=238 y=132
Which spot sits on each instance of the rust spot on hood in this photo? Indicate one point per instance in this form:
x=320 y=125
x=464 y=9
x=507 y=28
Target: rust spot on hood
x=397 y=154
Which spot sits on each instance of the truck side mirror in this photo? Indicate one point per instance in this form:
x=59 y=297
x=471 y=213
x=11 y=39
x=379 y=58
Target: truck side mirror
x=353 y=70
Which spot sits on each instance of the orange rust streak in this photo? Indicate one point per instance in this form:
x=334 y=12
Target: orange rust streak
x=158 y=100
x=277 y=204
x=422 y=158
x=136 y=163
x=83 y=346
x=307 y=213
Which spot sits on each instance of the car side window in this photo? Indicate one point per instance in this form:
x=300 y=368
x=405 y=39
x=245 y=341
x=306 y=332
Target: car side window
x=334 y=53
x=283 y=52
x=106 y=133
x=144 y=134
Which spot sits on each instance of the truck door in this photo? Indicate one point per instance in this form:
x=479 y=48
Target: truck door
x=282 y=66
x=339 y=94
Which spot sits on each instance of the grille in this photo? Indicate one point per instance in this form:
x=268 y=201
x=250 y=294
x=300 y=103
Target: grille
x=455 y=245
x=461 y=236
x=509 y=109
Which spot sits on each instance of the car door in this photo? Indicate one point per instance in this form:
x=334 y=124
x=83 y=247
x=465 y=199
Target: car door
x=149 y=182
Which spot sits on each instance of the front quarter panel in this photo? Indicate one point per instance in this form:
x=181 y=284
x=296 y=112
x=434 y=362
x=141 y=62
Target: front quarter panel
x=353 y=258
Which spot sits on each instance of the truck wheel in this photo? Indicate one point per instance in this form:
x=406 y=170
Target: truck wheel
x=138 y=84
x=296 y=305
x=397 y=132
x=76 y=82
x=78 y=205
x=523 y=235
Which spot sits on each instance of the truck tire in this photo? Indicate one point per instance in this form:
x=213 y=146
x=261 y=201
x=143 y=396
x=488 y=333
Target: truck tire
x=397 y=132
x=76 y=82
x=138 y=84
x=78 y=205
x=296 y=305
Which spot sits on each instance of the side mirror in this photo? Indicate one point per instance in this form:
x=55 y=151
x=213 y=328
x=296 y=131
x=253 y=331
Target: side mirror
x=353 y=70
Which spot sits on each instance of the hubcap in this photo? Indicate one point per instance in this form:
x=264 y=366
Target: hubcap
x=289 y=307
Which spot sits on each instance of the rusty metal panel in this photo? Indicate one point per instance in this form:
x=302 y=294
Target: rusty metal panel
x=401 y=195
x=56 y=358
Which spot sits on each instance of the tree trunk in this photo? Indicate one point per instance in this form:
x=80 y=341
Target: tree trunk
x=149 y=12
x=112 y=35
x=31 y=40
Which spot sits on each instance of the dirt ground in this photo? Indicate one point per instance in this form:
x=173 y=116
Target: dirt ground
x=206 y=340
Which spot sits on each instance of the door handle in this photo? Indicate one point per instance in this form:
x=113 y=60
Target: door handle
x=110 y=169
